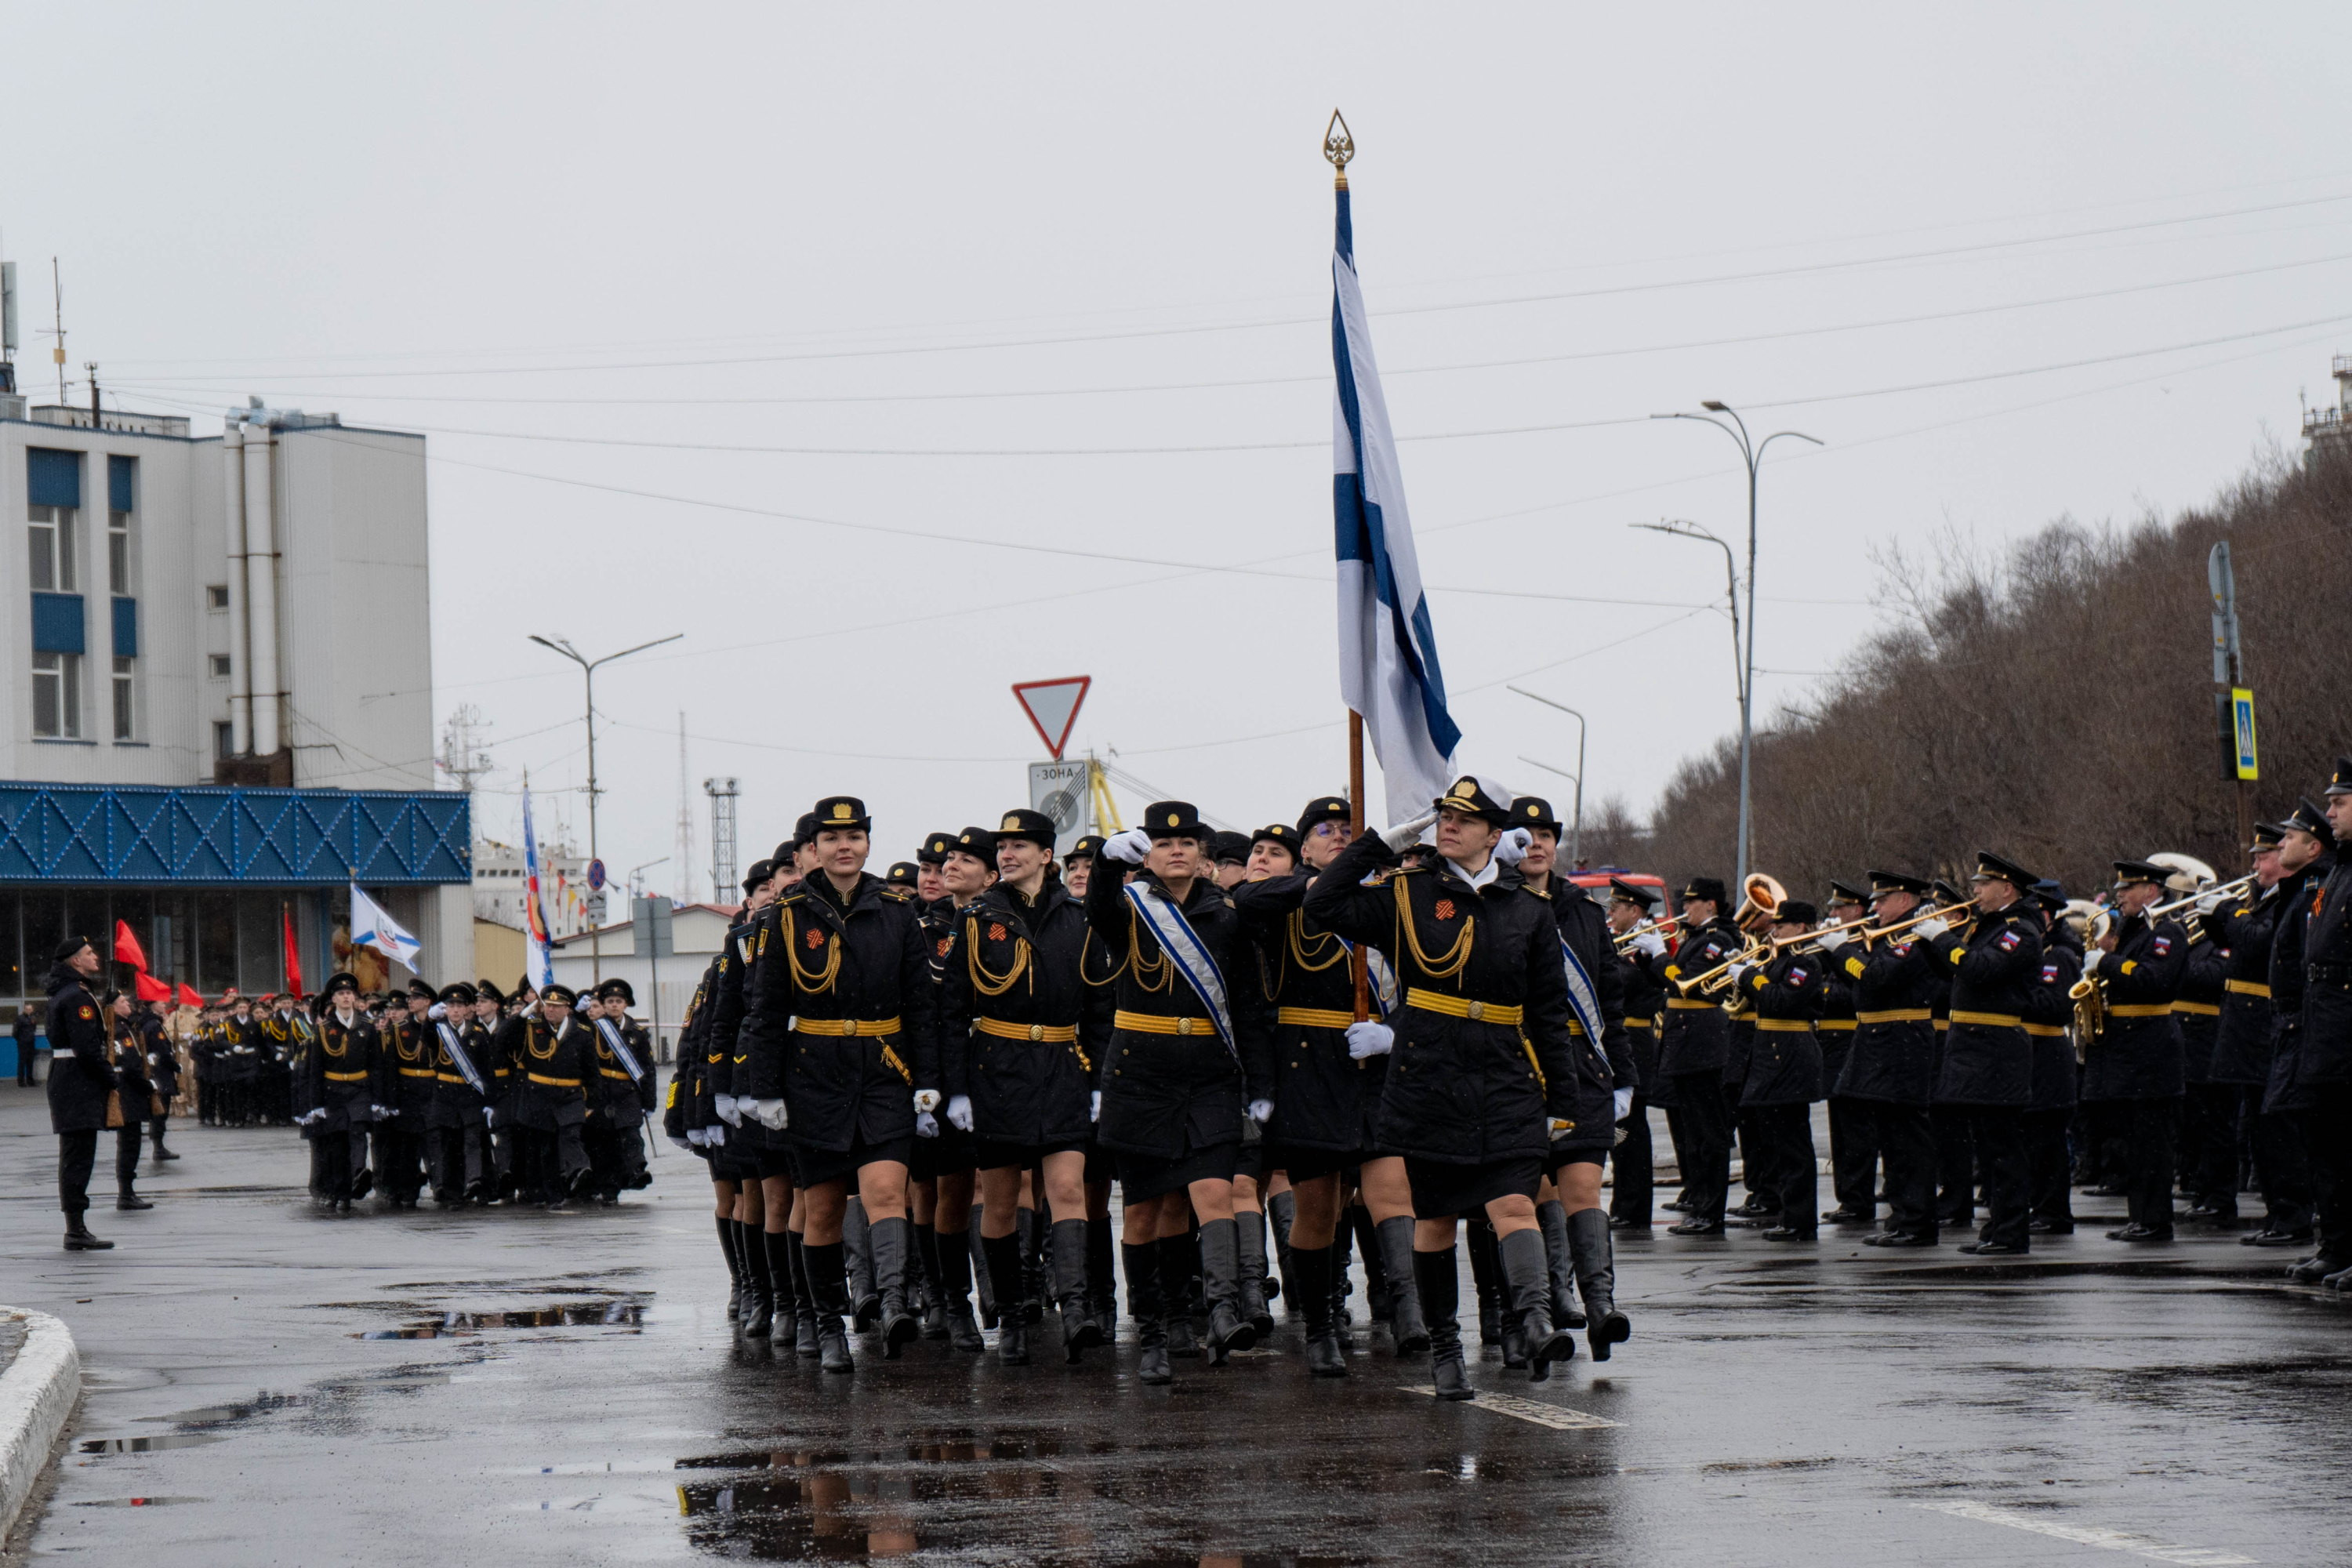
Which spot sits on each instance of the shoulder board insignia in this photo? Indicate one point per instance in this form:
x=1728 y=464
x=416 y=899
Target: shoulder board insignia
x=1853 y=967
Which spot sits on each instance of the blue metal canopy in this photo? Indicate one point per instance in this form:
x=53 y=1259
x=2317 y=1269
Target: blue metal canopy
x=150 y=835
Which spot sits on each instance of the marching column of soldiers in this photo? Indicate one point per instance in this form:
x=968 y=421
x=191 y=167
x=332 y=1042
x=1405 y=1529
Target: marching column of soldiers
x=1328 y=1036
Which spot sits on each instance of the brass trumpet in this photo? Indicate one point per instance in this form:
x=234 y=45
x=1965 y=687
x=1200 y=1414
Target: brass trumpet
x=2222 y=890
x=1640 y=928
x=1709 y=982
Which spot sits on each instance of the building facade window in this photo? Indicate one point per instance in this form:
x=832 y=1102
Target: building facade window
x=219 y=667
x=224 y=739
x=51 y=537
x=125 y=701
x=57 y=696
x=216 y=595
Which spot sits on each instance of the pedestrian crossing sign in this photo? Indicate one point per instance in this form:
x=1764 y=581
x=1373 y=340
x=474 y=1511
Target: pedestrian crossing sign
x=2241 y=725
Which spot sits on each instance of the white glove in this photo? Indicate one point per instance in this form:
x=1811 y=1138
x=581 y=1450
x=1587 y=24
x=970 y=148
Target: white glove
x=2208 y=902
x=769 y=1113
x=1261 y=1112
x=729 y=1109
x=695 y=1137
x=1558 y=1130
x=2090 y=963
x=1405 y=835
x=1651 y=944
x=308 y=1117
x=926 y=1124
x=926 y=1099
x=1130 y=846
x=438 y=1010
x=490 y=1117
x=1933 y=928
x=1831 y=940
x=686 y=1142
x=1370 y=1039
x=1740 y=971
x=714 y=1136
x=1512 y=846
x=959 y=1113
x=382 y=1112
x=1094 y=1107
x=1622 y=1100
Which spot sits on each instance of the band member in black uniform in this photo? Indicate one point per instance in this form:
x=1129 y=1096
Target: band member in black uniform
x=1328 y=1074
x=1890 y=1073
x=1693 y=1047
x=842 y=1042
x=1631 y=1197
x=133 y=1094
x=1575 y=1228
x=163 y=1069
x=556 y=1061
x=342 y=1084
x=625 y=1073
x=1784 y=1070
x=81 y=1076
x=2137 y=1060
x=2209 y=1127
x=411 y=1087
x=2244 y=926
x=237 y=1064
x=2324 y=1064
x=2308 y=855
x=1483 y=1076
x=1853 y=1158
x=2049 y=1015
x=1987 y=1075
x=1188 y=1059
x=1020 y=1033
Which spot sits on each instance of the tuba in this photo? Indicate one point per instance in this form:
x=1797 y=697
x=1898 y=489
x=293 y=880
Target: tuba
x=1760 y=898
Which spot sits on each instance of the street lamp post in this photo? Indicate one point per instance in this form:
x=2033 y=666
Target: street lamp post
x=1751 y=453
x=1576 y=838
x=588 y=673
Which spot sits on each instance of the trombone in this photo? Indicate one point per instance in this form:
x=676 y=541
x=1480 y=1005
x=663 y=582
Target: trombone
x=2221 y=891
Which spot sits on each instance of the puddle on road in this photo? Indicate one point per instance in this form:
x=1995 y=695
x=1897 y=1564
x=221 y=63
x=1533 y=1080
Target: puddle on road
x=145 y=1445
x=606 y=1314
x=135 y=1502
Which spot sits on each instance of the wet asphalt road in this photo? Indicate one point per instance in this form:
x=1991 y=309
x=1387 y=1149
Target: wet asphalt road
x=587 y=1404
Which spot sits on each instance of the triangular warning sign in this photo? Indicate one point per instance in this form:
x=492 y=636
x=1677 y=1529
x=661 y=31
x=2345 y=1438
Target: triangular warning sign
x=1053 y=707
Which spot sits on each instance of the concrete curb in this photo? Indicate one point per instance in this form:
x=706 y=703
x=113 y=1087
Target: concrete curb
x=38 y=1393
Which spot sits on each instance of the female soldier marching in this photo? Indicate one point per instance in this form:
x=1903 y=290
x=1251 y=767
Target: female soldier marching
x=1482 y=1078
x=1186 y=1060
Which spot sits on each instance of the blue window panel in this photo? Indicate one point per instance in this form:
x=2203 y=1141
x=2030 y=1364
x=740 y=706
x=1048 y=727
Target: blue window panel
x=57 y=622
x=121 y=474
x=207 y=837
x=52 y=478
x=126 y=627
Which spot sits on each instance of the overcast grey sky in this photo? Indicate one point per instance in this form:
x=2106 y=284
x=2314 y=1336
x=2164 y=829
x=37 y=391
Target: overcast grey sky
x=1093 y=244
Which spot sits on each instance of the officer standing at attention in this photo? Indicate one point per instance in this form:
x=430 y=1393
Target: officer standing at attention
x=1483 y=1076
x=1188 y=1058
x=1853 y=1157
x=2049 y=1016
x=1890 y=1072
x=336 y=1101
x=2138 y=1062
x=2244 y=926
x=1987 y=1076
x=556 y=1061
x=81 y=1078
x=842 y=1046
x=2324 y=1067
x=1784 y=1070
x=163 y=1069
x=2308 y=854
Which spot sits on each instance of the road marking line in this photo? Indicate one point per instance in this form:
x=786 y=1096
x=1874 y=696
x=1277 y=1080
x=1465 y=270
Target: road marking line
x=1559 y=1417
x=2111 y=1540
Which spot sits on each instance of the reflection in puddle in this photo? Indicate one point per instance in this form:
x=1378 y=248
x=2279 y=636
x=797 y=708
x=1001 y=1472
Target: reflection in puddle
x=572 y=1314
x=135 y=1502
x=145 y=1445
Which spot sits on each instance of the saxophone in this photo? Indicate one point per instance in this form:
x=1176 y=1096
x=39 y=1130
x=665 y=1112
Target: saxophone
x=2089 y=993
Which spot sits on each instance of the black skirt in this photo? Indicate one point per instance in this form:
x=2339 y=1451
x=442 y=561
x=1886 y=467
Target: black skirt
x=1140 y=1176
x=988 y=1154
x=948 y=1154
x=1441 y=1191
x=814 y=1167
x=1313 y=1164
x=730 y=1164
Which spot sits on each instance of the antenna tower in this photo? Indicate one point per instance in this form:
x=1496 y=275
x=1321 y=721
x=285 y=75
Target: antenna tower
x=724 y=867
x=682 y=853
x=462 y=756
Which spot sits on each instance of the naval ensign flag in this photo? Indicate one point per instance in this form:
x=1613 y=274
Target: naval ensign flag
x=1388 y=650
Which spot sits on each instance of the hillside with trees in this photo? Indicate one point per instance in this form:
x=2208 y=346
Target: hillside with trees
x=2053 y=704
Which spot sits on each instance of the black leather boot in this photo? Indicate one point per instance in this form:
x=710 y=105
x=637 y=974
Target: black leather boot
x=127 y=1197
x=1003 y=1254
x=1486 y=1279
x=761 y=1291
x=1249 y=1230
x=1324 y=1356
x=803 y=1297
x=776 y=1249
x=1080 y=1332
x=78 y=1236
x=985 y=1285
x=829 y=1290
x=1405 y=1322
x=934 y=1307
x=1102 y=1283
x=1142 y=1264
x=1221 y=1274
x=1596 y=1273
x=1032 y=1265
x=892 y=1242
x=1178 y=1258
x=1376 y=1279
x=1551 y=1218
x=1281 y=1211
x=955 y=1287
x=734 y=1266
x=1437 y=1282
x=1342 y=1287
x=1529 y=1279
x=857 y=1251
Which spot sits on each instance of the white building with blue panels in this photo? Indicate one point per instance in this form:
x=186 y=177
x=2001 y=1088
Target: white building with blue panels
x=217 y=657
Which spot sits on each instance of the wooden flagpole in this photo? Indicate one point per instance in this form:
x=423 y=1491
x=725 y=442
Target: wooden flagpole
x=1339 y=147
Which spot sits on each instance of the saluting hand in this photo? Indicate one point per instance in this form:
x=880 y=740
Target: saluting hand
x=1405 y=835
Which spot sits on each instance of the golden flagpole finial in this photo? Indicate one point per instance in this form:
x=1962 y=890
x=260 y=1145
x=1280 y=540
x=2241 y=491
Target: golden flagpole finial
x=1339 y=147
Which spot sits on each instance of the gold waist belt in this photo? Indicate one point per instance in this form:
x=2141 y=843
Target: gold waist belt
x=1055 y=1034
x=845 y=1027
x=1894 y=1015
x=1313 y=1017
x=1989 y=1020
x=1505 y=1013
x=1160 y=1024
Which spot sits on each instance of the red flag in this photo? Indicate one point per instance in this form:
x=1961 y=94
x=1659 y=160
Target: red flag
x=150 y=989
x=126 y=947
x=188 y=997
x=293 y=953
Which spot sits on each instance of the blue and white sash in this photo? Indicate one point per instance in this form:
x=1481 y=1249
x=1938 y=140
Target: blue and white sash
x=450 y=1044
x=1383 y=977
x=1189 y=955
x=611 y=1033
x=1583 y=997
